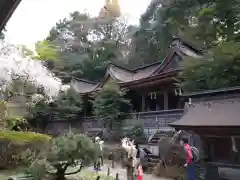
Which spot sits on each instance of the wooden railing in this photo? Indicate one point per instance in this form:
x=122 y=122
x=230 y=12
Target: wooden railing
x=156 y=119
x=149 y=120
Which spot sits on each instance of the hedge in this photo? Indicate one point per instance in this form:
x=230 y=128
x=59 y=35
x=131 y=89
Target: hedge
x=14 y=143
x=23 y=137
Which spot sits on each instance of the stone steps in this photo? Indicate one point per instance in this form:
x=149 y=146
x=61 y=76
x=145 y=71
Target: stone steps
x=159 y=135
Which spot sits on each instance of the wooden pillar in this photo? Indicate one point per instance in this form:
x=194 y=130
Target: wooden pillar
x=212 y=152
x=165 y=101
x=211 y=172
x=143 y=103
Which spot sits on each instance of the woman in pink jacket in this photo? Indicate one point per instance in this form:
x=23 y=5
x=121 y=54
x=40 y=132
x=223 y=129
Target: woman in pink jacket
x=191 y=170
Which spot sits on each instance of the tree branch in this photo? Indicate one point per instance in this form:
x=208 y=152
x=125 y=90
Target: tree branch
x=51 y=173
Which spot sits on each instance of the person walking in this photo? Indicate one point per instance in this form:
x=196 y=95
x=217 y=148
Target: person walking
x=140 y=172
x=99 y=161
x=138 y=161
x=190 y=165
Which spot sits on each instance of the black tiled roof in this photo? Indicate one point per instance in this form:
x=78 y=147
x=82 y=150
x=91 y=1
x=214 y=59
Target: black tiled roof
x=219 y=108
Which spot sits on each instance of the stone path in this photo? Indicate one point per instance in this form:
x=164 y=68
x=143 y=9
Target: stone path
x=122 y=173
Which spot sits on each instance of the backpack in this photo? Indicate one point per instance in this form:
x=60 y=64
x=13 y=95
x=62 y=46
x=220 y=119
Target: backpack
x=195 y=154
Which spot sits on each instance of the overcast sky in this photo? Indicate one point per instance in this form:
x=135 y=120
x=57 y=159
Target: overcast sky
x=33 y=19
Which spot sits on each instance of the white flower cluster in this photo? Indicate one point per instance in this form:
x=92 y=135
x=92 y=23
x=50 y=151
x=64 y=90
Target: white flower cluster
x=129 y=147
x=14 y=66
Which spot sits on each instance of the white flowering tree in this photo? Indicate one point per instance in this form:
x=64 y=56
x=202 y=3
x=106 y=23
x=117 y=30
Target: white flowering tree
x=19 y=73
x=15 y=67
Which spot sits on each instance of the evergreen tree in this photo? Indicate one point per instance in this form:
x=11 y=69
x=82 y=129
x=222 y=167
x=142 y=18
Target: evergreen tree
x=111 y=106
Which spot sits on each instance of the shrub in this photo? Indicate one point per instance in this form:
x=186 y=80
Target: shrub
x=3 y=177
x=111 y=106
x=18 y=137
x=171 y=165
x=14 y=143
x=118 y=151
x=16 y=123
x=170 y=171
x=136 y=132
x=66 y=151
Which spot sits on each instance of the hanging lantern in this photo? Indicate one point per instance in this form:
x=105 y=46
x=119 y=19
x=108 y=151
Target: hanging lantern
x=153 y=95
x=178 y=92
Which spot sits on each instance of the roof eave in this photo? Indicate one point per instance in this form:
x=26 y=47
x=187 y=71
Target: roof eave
x=152 y=78
x=7 y=11
x=212 y=92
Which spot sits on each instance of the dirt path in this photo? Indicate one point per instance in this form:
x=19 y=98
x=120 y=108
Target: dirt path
x=104 y=170
x=122 y=173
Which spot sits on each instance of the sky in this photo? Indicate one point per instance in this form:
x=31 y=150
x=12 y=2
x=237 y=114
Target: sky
x=33 y=19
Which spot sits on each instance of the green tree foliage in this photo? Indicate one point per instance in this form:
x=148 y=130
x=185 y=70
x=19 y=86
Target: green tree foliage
x=71 y=150
x=46 y=51
x=213 y=26
x=16 y=123
x=135 y=132
x=151 y=40
x=202 y=23
x=26 y=52
x=15 y=143
x=68 y=106
x=86 y=45
x=2 y=34
x=208 y=21
x=110 y=106
x=218 y=68
x=3 y=114
x=8 y=122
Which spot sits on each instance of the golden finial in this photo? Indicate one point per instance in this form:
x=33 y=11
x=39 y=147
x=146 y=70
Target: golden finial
x=111 y=8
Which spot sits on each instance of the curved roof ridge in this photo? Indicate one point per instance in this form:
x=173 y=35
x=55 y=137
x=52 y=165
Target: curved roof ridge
x=136 y=69
x=167 y=58
x=124 y=68
x=118 y=73
x=188 y=44
x=146 y=66
x=83 y=86
x=85 y=80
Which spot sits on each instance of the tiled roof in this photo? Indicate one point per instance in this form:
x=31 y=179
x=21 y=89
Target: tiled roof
x=125 y=76
x=122 y=75
x=118 y=74
x=217 y=112
x=83 y=86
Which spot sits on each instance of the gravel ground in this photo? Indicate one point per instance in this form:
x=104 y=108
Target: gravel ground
x=122 y=173
x=104 y=169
